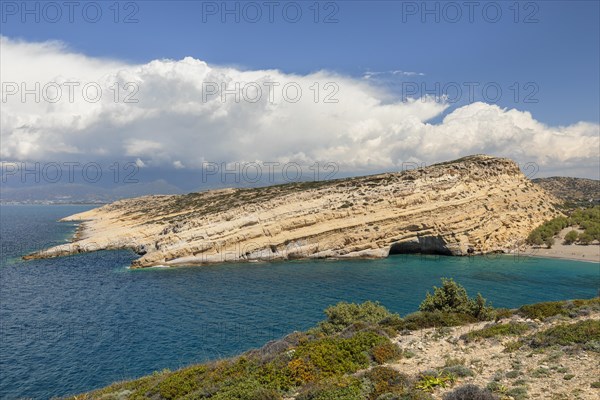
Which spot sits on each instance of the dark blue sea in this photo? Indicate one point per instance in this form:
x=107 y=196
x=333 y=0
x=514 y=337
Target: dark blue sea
x=77 y=323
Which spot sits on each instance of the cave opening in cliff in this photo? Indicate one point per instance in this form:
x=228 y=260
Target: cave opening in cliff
x=424 y=245
x=404 y=248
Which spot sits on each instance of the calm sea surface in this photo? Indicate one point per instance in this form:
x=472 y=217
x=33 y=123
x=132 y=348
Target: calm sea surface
x=72 y=324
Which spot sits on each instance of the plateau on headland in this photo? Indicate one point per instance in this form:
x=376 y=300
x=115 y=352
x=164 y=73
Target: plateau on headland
x=474 y=205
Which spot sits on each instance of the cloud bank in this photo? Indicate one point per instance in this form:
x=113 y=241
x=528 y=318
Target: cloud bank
x=171 y=114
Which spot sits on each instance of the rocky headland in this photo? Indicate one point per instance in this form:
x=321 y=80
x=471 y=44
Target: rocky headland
x=473 y=205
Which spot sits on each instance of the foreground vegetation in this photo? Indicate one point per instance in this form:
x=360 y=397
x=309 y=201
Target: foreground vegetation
x=349 y=355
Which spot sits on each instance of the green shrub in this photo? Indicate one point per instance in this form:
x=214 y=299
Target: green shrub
x=332 y=356
x=452 y=362
x=513 y=374
x=540 y=372
x=535 y=238
x=386 y=380
x=496 y=387
x=457 y=370
x=342 y=315
x=429 y=380
x=571 y=237
x=579 y=333
x=512 y=346
x=511 y=328
x=386 y=352
x=410 y=394
x=275 y=375
x=580 y=303
x=434 y=319
x=246 y=390
x=180 y=383
x=518 y=393
x=543 y=310
x=548 y=309
x=502 y=313
x=470 y=392
x=452 y=298
x=338 y=389
x=391 y=324
x=302 y=371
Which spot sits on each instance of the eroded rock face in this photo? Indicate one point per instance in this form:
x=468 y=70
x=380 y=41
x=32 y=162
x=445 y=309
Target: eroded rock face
x=477 y=204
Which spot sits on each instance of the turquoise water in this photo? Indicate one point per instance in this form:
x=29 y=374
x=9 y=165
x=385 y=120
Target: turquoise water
x=76 y=323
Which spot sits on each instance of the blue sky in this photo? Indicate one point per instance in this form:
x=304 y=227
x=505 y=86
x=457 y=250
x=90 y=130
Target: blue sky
x=386 y=59
x=554 y=44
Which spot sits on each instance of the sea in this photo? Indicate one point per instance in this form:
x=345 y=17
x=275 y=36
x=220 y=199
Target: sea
x=73 y=324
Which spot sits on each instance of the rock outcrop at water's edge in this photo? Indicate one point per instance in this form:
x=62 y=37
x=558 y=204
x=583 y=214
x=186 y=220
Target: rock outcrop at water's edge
x=474 y=205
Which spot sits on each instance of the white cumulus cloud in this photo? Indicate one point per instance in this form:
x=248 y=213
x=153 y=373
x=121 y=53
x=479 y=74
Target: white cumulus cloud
x=169 y=113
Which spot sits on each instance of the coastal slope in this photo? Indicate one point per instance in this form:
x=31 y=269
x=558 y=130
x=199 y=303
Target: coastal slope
x=474 y=205
x=364 y=352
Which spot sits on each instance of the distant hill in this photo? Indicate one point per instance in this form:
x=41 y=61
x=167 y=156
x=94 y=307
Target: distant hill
x=574 y=190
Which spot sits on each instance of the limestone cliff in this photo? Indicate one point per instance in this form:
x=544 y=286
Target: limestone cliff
x=476 y=204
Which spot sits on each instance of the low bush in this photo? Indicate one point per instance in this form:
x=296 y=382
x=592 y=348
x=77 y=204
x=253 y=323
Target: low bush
x=543 y=310
x=275 y=375
x=470 y=392
x=386 y=380
x=585 y=333
x=511 y=328
x=502 y=313
x=434 y=319
x=496 y=387
x=332 y=356
x=386 y=352
x=518 y=393
x=336 y=389
x=410 y=394
x=177 y=385
x=451 y=362
x=246 y=390
x=457 y=370
x=430 y=380
x=569 y=308
x=342 y=315
x=512 y=346
x=302 y=371
x=513 y=374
